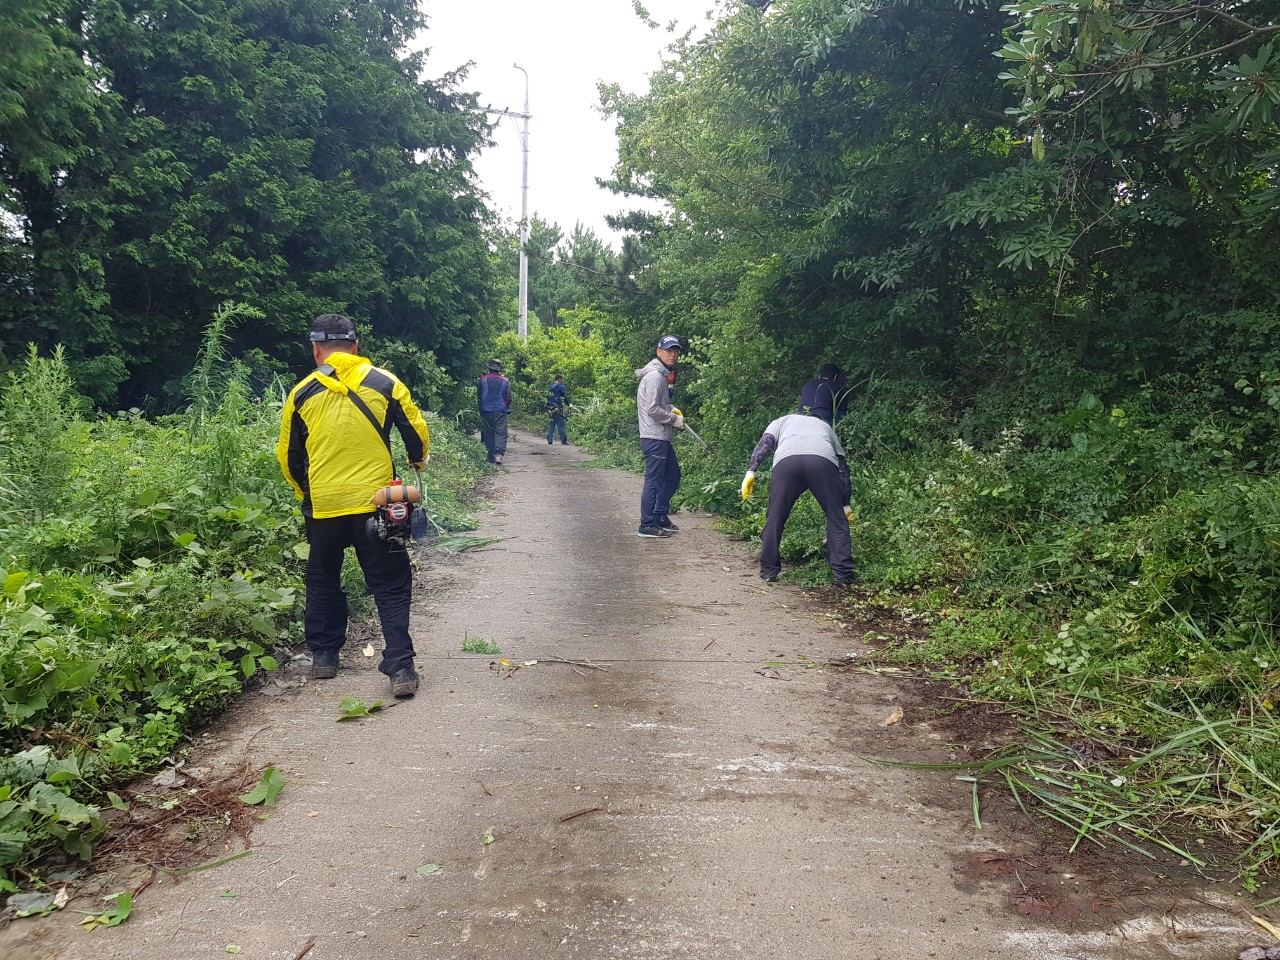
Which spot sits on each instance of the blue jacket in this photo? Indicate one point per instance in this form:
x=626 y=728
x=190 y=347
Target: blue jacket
x=559 y=397
x=494 y=393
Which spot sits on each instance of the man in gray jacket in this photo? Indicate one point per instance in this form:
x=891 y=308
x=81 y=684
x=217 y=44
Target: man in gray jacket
x=658 y=421
x=807 y=455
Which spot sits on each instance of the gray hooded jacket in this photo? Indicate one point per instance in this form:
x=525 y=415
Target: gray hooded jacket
x=653 y=403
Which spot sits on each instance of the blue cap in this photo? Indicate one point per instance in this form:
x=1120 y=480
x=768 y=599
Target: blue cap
x=669 y=343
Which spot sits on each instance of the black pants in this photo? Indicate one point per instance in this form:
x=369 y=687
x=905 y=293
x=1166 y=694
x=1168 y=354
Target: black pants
x=791 y=477
x=494 y=433
x=388 y=573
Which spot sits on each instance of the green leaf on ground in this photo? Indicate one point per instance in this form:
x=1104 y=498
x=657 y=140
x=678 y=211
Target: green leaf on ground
x=112 y=917
x=267 y=790
x=353 y=708
x=428 y=869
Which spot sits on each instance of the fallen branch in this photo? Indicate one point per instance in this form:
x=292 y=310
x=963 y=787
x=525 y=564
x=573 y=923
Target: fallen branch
x=574 y=663
x=580 y=813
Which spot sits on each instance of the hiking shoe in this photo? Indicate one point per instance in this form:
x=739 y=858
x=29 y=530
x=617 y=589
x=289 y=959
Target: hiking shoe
x=666 y=524
x=404 y=682
x=324 y=664
x=652 y=531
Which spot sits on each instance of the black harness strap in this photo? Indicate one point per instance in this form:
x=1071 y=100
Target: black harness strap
x=384 y=433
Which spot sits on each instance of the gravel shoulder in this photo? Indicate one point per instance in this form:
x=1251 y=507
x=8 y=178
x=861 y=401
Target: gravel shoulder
x=660 y=772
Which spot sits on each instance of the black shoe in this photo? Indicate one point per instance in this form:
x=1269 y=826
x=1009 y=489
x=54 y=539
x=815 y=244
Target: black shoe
x=324 y=664
x=848 y=581
x=666 y=524
x=404 y=682
x=497 y=460
x=652 y=531
x=768 y=577
x=550 y=443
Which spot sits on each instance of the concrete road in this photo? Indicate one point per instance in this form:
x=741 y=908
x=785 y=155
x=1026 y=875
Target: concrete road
x=656 y=796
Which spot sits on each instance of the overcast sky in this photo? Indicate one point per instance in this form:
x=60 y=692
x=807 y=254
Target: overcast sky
x=567 y=47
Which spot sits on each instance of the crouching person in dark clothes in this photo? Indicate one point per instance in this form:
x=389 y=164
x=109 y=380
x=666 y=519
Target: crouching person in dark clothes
x=807 y=455
x=337 y=457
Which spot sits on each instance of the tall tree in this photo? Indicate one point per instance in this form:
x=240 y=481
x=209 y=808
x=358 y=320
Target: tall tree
x=282 y=153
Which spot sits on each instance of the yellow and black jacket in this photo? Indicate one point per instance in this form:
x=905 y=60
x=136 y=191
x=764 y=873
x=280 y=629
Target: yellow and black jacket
x=329 y=451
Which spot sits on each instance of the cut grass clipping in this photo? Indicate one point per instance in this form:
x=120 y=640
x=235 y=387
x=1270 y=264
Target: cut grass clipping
x=1155 y=797
x=458 y=544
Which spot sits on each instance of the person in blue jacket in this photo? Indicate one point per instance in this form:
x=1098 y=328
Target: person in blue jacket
x=557 y=409
x=493 y=393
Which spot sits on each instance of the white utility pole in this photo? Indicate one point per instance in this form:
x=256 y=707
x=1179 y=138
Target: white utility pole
x=523 y=328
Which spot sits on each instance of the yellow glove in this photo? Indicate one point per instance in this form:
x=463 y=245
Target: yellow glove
x=748 y=484
x=677 y=411
x=848 y=514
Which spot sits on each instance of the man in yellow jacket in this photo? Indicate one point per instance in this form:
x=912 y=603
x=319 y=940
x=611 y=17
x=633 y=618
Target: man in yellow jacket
x=336 y=458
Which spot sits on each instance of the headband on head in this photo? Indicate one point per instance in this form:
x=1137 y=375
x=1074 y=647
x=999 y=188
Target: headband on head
x=319 y=336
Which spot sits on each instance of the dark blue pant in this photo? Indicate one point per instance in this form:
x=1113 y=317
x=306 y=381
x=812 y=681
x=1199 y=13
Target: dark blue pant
x=557 y=420
x=791 y=477
x=494 y=433
x=661 y=480
x=388 y=573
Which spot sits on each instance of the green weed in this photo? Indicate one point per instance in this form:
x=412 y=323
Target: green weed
x=480 y=645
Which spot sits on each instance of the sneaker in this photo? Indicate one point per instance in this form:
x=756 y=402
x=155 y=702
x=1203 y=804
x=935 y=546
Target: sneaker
x=652 y=531
x=768 y=577
x=324 y=664
x=550 y=443
x=404 y=682
x=666 y=524
x=497 y=460
x=848 y=581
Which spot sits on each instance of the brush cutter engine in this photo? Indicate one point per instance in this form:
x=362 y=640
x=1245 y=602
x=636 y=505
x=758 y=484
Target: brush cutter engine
x=398 y=515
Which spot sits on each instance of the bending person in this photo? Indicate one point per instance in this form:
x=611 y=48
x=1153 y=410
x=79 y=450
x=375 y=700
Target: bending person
x=807 y=456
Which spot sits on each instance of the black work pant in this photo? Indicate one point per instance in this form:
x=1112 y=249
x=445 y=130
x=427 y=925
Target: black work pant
x=791 y=477
x=494 y=433
x=388 y=573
